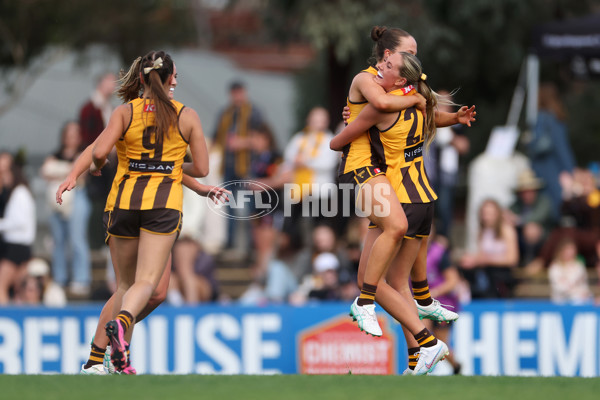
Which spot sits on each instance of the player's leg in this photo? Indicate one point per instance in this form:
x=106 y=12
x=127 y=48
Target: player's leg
x=379 y=202
x=427 y=306
x=125 y=253
x=432 y=350
x=160 y=293
x=389 y=299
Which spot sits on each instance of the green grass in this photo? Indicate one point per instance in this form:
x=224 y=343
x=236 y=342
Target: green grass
x=290 y=387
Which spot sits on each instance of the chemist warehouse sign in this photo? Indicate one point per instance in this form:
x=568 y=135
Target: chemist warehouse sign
x=491 y=338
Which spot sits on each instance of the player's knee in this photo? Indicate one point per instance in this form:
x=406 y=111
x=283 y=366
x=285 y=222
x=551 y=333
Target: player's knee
x=396 y=229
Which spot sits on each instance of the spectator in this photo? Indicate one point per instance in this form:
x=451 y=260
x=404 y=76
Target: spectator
x=30 y=291
x=69 y=221
x=532 y=215
x=489 y=270
x=232 y=140
x=5 y=181
x=93 y=117
x=95 y=113
x=310 y=161
x=278 y=283
x=38 y=287
x=568 y=276
x=194 y=272
x=442 y=162
x=580 y=220
x=549 y=150
x=323 y=241
x=18 y=228
x=326 y=285
x=264 y=165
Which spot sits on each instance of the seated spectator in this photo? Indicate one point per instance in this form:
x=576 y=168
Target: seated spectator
x=489 y=270
x=580 y=220
x=323 y=241
x=568 y=276
x=279 y=282
x=322 y=283
x=193 y=272
x=325 y=285
x=38 y=288
x=532 y=215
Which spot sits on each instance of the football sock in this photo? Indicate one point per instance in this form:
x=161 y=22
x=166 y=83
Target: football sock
x=425 y=338
x=367 y=295
x=421 y=293
x=126 y=319
x=413 y=357
x=96 y=356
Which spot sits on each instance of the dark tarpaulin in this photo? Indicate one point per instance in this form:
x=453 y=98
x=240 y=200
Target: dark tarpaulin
x=563 y=40
x=574 y=40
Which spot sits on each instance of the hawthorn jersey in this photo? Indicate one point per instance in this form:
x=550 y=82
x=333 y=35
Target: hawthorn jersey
x=149 y=172
x=400 y=147
x=122 y=169
x=358 y=153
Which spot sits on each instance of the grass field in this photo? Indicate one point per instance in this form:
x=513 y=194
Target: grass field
x=284 y=387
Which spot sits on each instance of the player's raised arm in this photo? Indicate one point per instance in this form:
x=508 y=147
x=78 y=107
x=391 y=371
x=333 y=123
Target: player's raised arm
x=383 y=101
x=465 y=115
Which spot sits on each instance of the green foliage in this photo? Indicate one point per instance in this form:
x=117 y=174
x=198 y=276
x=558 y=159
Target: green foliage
x=131 y=27
x=476 y=46
x=34 y=33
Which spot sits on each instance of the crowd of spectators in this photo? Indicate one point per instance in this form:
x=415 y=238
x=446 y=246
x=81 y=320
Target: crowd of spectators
x=551 y=230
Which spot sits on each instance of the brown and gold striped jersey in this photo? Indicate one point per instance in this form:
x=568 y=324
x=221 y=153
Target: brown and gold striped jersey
x=358 y=153
x=149 y=172
x=401 y=147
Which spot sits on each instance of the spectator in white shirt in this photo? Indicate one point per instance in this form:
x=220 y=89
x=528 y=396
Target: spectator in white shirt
x=311 y=162
x=17 y=227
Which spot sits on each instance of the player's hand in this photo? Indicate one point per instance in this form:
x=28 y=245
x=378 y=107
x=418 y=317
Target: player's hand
x=68 y=185
x=217 y=194
x=346 y=114
x=421 y=104
x=466 y=115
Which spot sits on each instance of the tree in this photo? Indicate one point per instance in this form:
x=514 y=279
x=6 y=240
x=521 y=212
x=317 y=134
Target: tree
x=477 y=45
x=34 y=33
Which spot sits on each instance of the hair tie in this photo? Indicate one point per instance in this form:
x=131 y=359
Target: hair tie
x=423 y=77
x=158 y=63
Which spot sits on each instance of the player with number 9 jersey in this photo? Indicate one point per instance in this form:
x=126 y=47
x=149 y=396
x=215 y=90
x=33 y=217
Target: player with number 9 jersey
x=153 y=164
